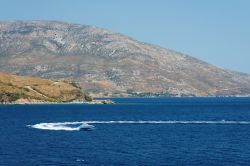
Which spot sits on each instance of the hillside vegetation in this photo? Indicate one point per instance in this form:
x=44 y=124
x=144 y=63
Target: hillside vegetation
x=15 y=88
x=105 y=63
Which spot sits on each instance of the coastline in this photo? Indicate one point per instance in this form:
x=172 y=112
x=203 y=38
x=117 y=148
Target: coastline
x=108 y=100
x=37 y=102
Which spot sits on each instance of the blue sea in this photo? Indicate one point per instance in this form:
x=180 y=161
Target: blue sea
x=145 y=131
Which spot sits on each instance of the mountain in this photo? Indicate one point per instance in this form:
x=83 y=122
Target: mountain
x=15 y=88
x=105 y=63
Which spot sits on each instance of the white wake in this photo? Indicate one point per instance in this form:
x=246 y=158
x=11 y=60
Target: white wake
x=72 y=126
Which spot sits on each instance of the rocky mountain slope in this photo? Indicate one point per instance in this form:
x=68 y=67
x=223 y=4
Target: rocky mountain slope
x=20 y=89
x=110 y=64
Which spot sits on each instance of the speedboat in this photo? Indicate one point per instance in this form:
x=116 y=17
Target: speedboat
x=86 y=127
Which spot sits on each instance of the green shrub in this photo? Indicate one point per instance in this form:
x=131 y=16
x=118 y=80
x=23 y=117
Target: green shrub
x=74 y=84
x=130 y=91
x=10 y=97
x=88 y=98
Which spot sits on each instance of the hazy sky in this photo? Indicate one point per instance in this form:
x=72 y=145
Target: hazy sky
x=217 y=31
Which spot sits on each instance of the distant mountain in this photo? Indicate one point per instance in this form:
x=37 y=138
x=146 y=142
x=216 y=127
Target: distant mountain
x=20 y=89
x=110 y=64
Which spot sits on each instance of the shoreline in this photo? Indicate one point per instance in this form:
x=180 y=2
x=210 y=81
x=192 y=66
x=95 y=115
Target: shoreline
x=63 y=103
x=104 y=100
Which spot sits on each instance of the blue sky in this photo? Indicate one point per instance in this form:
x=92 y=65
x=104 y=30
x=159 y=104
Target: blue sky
x=216 y=31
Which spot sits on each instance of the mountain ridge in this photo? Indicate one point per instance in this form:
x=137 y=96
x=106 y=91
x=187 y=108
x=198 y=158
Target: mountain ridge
x=105 y=63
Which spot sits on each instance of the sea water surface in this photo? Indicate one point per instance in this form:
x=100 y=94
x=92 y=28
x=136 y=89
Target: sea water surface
x=145 y=131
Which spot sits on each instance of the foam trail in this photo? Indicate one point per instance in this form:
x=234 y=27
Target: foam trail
x=54 y=126
x=66 y=125
x=165 y=122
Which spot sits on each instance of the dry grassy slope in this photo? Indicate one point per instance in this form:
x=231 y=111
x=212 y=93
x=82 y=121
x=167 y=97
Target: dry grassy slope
x=13 y=87
x=103 y=62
